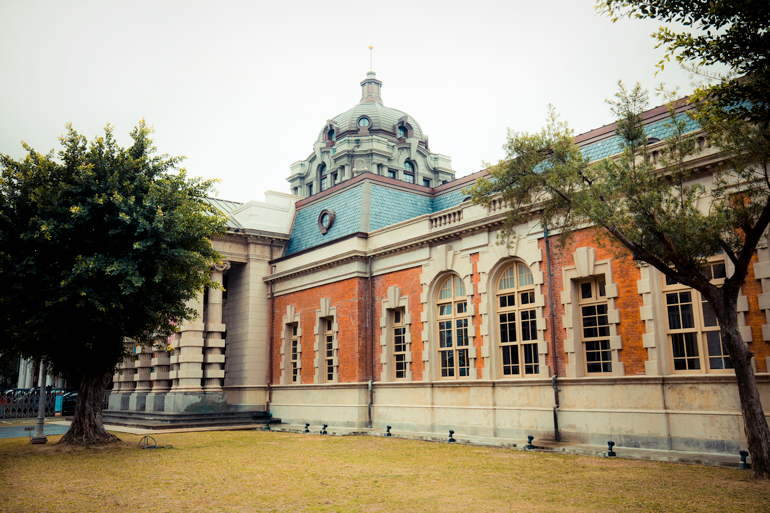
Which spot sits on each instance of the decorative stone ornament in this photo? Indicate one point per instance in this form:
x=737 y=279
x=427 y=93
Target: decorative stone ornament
x=325 y=220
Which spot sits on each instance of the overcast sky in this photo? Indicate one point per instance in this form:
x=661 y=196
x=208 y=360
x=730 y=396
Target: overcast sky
x=242 y=88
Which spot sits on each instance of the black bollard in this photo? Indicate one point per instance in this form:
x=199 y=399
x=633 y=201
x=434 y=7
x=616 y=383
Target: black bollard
x=267 y=426
x=529 y=442
x=387 y=433
x=307 y=426
x=323 y=430
x=611 y=453
x=744 y=465
x=451 y=438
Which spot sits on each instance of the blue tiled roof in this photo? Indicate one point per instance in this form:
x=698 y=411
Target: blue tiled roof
x=659 y=130
x=391 y=206
x=347 y=206
x=448 y=200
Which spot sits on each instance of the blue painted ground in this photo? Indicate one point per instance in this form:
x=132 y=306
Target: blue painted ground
x=18 y=431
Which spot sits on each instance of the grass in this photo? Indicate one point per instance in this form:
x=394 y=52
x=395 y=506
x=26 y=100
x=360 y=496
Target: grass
x=245 y=471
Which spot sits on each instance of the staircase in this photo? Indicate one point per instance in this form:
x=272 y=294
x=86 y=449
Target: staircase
x=160 y=421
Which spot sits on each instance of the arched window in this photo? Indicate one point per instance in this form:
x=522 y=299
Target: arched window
x=322 y=177
x=408 y=167
x=402 y=132
x=452 y=309
x=332 y=135
x=516 y=322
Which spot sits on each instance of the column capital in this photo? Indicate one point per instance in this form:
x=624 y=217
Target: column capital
x=224 y=266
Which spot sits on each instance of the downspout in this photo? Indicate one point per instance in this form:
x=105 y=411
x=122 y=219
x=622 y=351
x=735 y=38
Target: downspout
x=270 y=307
x=371 y=343
x=552 y=329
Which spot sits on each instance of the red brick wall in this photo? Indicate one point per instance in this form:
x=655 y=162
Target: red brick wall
x=409 y=282
x=756 y=318
x=625 y=274
x=350 y=297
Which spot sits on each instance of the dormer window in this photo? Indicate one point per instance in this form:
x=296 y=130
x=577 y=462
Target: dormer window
x=364 y=122
x=332 y=135
x=408 y=172
x=402 y=132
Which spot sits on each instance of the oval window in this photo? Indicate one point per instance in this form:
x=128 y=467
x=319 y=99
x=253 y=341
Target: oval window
x=363 y=122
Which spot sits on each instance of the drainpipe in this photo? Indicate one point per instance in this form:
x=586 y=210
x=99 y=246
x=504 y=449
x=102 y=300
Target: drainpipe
x=552 y=326
x=371 y=344
x=271 y=302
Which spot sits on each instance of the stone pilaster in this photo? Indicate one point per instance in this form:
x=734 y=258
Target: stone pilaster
x=214 y=348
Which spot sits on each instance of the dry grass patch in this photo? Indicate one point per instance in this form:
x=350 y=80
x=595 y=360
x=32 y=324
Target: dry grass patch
x=244 y=471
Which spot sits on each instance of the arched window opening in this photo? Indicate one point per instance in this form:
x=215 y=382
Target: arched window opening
x=402 y=132
x=517 y=322
x=452 y=309
x=332 y=135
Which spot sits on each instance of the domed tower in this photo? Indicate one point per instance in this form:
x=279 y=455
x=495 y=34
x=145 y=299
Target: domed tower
x=370 y=138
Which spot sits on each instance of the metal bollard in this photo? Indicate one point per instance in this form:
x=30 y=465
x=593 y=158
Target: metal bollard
x=323 y=429
x=529 y=442
x=744 y=465
x=387 y=433
x=451 y=438
x=267 y=426
x=307 y=426
x=610 y=453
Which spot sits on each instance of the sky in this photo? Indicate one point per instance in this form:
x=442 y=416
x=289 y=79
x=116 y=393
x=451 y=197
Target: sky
x=242 y=88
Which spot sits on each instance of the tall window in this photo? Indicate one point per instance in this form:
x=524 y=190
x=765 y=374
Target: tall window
x=426 y=182
x=402 y=132
x=391 y=174
x=324 y=183
x=295 y=355
x=332 y=135
x=517 y=322
x=453 y=329
x=328 y=350
x=595 y=326
x=408 y=172
x=333 y=179
x=310 y=189
x=399 y=345
x=693 y=330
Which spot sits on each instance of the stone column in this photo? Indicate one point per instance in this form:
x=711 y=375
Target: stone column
x=22 y=373
x=188 y=355
x=214 y=356
x=29 y=376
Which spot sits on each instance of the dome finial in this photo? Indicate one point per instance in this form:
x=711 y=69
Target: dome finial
x=371 y=47
x=370 y=89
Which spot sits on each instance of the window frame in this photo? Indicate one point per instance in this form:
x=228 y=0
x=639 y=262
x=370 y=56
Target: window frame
x=295 y=357
x=598 y=288
x=504 y=348
x=459 y=323
x=399 y=356
x=699 y=326
x=328 y=348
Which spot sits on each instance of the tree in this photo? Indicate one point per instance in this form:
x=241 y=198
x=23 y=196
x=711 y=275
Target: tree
x=101 y=245
x=730 y=32
x=654 y=212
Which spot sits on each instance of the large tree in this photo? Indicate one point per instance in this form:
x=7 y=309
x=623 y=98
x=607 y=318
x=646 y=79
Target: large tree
x=655 y=211
x=100 y=245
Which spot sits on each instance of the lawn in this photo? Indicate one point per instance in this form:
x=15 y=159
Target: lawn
x=244 y=471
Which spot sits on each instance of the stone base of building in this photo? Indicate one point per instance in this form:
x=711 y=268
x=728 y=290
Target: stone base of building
x=173 y=402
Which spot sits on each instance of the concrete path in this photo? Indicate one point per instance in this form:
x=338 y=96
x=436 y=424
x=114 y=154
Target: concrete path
x=18 y=431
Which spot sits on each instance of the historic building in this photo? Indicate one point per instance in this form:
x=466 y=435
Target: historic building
x=376 y=294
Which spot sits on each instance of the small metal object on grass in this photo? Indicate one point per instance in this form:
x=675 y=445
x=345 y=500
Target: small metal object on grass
x=744 y=465
x=307 y=427
x=323 y=429
x=144 y=443
x=387 y=433
x=610 y=453
x=529 y=442
x=267 y=426
x=451 y=438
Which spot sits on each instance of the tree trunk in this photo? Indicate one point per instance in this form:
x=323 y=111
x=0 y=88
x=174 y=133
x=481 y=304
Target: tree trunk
x=87 y=427
x=754 y=421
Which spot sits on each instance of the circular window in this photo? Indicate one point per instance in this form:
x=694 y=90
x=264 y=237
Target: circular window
x=363 y=122
x=325 y=220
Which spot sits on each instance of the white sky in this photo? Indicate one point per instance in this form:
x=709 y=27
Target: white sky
x=242 y=88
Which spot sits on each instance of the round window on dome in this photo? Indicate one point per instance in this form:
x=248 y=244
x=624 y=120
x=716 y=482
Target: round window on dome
x=364 y=122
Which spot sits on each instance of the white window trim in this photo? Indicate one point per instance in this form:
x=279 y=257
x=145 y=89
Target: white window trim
x=291 y=317
x=492 y=263
x=444 y=260
x=394 y=301
x=326 y=311
x=586 y=267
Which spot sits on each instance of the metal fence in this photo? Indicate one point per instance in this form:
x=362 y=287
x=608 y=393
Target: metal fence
x=24 y=405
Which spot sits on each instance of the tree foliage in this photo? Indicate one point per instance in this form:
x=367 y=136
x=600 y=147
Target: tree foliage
x=730 y=32
x=98 y=245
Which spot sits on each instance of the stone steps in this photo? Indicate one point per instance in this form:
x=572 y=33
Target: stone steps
x=160 y=421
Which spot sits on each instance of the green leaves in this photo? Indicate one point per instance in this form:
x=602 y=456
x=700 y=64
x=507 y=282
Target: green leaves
x=97 y=245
